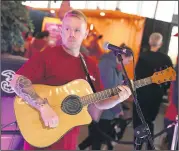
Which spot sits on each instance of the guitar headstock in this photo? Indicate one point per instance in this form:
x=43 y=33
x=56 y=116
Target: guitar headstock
x=162 y=76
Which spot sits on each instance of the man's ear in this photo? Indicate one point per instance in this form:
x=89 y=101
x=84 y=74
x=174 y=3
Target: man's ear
x=161 y=44
x=86 y=34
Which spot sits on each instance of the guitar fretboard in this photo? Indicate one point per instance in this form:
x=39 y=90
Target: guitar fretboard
x=96 y=97
x=142 y=82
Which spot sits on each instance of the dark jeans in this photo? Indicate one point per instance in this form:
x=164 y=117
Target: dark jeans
x=95 y=138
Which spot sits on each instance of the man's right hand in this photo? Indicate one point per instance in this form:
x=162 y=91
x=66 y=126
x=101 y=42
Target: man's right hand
x=23 y=88
x=49 y=116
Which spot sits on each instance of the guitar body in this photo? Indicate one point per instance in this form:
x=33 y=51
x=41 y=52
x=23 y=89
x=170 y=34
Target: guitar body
x=29 y=120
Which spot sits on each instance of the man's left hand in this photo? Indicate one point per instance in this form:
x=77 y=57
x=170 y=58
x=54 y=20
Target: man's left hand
x=124 y=93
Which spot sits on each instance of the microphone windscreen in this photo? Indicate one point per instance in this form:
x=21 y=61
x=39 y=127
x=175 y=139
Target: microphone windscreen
x=105 y=45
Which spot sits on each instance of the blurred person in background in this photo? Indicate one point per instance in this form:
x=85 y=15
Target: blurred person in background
x=151 y=96
x=172 y=110
x=28 y=37
x=38 y=44
x=111 y=76
x=18 y=50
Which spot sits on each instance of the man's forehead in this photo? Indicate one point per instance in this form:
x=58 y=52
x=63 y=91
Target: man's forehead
x=71 y=18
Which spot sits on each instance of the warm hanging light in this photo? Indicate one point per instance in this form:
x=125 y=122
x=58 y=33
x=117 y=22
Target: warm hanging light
x=102 y=13
x=52 y=11
x=91 y=27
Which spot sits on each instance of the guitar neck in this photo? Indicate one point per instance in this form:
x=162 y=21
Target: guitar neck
x=142 y=82
x=168 y=74
x=99 y=96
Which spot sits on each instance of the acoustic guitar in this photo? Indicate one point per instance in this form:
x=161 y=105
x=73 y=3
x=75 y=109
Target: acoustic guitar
x=70 y=102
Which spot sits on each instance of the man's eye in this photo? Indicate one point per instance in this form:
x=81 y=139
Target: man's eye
x=77 y=30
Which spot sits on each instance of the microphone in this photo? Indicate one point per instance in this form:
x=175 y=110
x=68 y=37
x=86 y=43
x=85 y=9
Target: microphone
x=120 y=50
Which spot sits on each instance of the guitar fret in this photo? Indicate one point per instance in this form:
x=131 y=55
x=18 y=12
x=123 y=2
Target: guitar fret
x=142 y=82
x=98 y=97
x=103 y=95
x=106 y=92
x=110 y=92
x=113 y=91
x=107 y=96
x=83 y=101
x=146 y=81
x=90 y=98
x=116 y=90
x=93 y=98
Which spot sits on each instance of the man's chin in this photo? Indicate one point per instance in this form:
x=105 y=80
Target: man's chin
x=72 y=47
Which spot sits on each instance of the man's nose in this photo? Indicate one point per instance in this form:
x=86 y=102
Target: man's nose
x=72 y=33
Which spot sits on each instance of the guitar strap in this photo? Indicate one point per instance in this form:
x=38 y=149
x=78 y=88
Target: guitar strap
x=87 y=72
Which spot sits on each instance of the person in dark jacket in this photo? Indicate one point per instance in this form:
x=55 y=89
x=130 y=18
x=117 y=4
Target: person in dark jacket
x=151 y=96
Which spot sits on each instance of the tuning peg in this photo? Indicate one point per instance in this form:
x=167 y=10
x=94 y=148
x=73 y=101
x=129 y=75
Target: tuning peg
x=155 y=70
x=165 y=83
x=161 y=68
x=166 y=66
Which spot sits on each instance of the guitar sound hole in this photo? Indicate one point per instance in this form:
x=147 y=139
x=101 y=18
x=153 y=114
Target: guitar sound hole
x=71 y=105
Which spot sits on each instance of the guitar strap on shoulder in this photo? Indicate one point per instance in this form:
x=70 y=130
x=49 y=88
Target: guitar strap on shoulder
x=87 y=72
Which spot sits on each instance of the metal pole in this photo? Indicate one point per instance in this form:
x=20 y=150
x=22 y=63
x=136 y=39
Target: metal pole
x=175 y=136
x=118 y=5
x=155 y=16
x=155 y=10
x=49 y=4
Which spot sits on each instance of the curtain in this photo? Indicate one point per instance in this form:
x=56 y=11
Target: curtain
x=117 y=28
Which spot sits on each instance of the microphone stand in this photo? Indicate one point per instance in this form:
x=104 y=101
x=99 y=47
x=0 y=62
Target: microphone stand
x=143 y=131
x=175 y=136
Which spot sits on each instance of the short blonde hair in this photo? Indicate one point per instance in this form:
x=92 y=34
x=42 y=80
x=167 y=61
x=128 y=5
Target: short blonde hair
x=76 y=13
x=155 y=39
